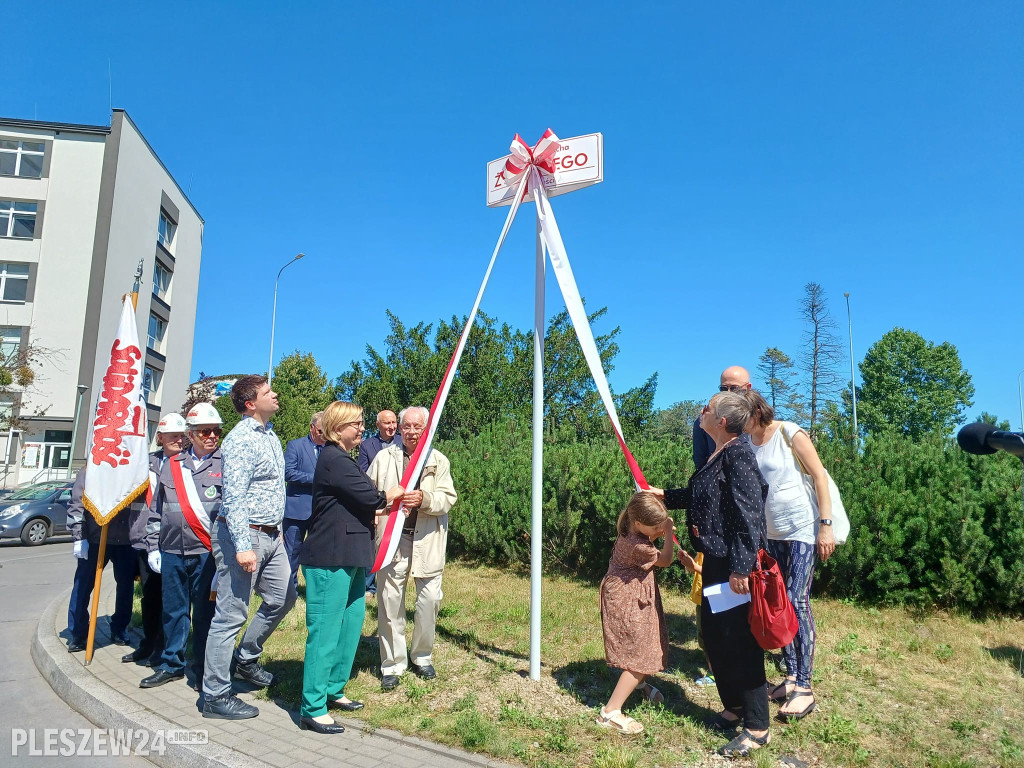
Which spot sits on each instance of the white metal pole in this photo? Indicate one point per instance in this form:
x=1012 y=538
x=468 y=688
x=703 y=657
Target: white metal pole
x=537 y=474
x=853 y=375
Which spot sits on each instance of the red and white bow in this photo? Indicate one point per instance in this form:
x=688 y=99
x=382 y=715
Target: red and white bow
x=541 y=154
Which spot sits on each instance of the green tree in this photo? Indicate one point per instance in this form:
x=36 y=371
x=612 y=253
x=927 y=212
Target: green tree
x=776 y=369
x=495 y=376
x=995 y=421
x=676 y=421
x=302 y=389
x=822 y=352
x=912 y=386
x=227 y=412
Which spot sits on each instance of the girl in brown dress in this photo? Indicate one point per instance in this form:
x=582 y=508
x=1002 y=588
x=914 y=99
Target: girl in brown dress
x=635 y=636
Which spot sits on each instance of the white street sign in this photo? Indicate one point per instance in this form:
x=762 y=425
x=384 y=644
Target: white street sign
x=579 y=162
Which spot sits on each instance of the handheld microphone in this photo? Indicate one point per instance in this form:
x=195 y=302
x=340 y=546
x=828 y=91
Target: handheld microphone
x=981 y=438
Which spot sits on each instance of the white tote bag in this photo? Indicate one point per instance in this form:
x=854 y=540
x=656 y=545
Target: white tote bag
x=840 y=521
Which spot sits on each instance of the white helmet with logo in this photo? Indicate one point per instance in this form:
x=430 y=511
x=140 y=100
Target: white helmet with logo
x=172 y=422
x=203 y=413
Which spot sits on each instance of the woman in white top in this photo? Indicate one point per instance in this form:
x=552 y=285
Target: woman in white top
x=797 y=532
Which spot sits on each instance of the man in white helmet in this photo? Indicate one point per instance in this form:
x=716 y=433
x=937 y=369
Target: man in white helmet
x=185 y=504
x=170 y=436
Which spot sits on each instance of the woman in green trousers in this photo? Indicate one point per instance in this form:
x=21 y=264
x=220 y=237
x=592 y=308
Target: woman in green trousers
x=338 y=549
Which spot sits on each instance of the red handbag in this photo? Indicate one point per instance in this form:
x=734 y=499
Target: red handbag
x=771 y=616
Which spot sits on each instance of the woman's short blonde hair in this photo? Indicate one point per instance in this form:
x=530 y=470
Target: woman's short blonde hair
x=336 y=416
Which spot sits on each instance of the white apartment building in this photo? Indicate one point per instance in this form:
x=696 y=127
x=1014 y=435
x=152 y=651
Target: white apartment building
x=80 y=206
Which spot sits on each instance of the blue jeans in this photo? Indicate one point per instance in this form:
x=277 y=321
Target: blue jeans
x=294 y=533
x=186 y=585
x=796 y=561
x=123 y=558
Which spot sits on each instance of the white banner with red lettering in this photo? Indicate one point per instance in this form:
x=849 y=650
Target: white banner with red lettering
x=118 y=462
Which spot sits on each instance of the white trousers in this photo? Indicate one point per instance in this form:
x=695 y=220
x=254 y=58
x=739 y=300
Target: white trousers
x=391 y=581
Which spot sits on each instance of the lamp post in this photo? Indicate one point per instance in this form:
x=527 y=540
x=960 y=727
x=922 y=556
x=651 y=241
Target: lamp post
x=1020 y=399
x=273 y=319
x=853 y=376
x=74 y=432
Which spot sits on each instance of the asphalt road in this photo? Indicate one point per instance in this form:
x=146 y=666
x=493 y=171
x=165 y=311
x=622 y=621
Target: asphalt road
x=30 y=578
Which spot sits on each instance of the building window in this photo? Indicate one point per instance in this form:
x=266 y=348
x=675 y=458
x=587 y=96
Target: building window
x=17 y=219
x=157 y=329
x=151 y=381
x=10 y=344
x=165 y=231
x=161 y=281
x=21 y=158
x=14 y=282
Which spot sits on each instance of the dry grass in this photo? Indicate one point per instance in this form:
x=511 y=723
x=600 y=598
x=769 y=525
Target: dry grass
x=894 y=688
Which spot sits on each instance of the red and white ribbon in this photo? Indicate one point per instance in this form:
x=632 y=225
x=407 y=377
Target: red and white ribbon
x=541 y=155
x=396 y=518
x=524 y=163
x=578 y=315
x=191 y=504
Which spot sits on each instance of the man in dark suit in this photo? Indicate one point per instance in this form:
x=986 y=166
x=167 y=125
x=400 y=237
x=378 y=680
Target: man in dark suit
x=734 y=379
x=299 y=464
x=387 y=434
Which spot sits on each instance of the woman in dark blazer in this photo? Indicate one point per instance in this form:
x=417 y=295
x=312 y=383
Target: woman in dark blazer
x=338 y=549
x=726 y=522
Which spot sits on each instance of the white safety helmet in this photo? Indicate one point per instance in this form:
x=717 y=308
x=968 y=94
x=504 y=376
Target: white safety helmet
x=203 y=413
x=172 y=422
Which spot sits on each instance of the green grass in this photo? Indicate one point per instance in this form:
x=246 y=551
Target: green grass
x=894 y=687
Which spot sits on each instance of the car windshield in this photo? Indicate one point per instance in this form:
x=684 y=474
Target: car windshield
x=33 y=492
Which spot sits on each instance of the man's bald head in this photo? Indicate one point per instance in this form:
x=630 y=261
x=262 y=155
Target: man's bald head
x=734 y=378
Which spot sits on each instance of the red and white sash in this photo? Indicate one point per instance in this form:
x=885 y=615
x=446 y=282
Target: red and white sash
x=191 y=504
x=151 y=490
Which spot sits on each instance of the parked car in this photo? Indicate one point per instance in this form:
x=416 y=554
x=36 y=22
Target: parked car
x=36 y=512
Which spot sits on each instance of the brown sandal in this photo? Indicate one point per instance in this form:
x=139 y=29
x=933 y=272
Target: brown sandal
x=617 y=721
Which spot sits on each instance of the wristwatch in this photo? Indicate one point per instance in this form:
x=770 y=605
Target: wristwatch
x=825 y=522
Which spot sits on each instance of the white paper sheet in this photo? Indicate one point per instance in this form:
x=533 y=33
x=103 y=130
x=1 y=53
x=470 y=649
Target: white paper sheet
x=722 y=598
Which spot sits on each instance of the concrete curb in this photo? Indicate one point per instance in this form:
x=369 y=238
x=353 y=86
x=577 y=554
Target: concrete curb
x=107 y=708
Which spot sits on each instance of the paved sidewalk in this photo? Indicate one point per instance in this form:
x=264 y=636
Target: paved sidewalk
x=107 y=692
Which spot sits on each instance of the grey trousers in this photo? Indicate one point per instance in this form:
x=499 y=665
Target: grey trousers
x=391 y=581
x=272 y=581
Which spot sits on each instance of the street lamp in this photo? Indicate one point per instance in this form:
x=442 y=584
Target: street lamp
x=1020 y=399
x=78 y=413
x=853 y=376
x=273 y=319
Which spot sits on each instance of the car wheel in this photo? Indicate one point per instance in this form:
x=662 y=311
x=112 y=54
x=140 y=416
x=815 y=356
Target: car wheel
x=35 y=532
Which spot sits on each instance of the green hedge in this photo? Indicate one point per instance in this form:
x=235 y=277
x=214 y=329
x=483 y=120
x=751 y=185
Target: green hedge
x=932 y=526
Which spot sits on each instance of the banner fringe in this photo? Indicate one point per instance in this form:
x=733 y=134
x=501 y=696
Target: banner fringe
x=104 y=519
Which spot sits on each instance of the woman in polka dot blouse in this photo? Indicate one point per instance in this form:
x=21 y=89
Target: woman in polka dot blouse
x=725 y=499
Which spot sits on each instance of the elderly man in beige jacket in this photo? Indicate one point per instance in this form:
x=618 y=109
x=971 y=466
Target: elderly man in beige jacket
x=420 y=553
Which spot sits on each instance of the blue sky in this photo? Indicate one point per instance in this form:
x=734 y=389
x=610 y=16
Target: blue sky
x=750 y=148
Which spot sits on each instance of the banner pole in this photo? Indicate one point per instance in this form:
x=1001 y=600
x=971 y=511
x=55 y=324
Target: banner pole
x=537 y=474
x=100 y=558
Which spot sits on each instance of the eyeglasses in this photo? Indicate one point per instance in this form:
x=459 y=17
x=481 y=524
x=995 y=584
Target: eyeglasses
x=731 y=388
x=208 y=431
x=360 y=424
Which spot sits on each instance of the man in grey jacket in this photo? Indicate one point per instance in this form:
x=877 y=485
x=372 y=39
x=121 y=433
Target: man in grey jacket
x=249 y=551
x=170 y=436
x=185 y=504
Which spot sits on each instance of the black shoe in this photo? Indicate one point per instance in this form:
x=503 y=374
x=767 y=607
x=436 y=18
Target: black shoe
x=346 y=706
x=141 y=656
x=160 y=677
x=426 y=671
x=251 y=672
x=309 y=724
x=228 y=708
x=74 y=646
x=119 y=638
x=389 y=682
